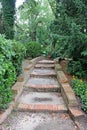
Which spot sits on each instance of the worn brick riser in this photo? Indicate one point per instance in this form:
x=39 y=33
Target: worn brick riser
x=43 y=75
x=41 y=108
x=42 y=89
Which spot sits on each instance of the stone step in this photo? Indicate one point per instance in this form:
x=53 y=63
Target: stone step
x=43 y=80
x=43 y=72
x=61 y=77
x=42 y=88
x=44 y=66
x=46 y=62
x=41 y=102
x=44 y=84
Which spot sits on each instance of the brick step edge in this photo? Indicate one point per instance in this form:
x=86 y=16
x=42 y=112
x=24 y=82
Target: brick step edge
x=44 y=66
x=41 y=108
x=42 y=90
x=58 y=67
x=66 y=90
x=43 y=62
x=33 y=62
x=69 y=97
x=61 y=77
x=76 y=113
x=37 y=74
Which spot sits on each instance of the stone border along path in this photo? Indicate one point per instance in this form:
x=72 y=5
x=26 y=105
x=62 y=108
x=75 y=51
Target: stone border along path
x=46 y=89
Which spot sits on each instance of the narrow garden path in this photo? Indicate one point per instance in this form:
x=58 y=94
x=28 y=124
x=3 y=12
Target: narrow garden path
x=41 y=106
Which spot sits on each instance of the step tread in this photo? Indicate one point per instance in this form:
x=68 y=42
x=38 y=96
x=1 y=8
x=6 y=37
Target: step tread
x=43 y=72
x=44 y=66
x=41 y=98
x=42 y=80
x=46 y=62
x=42 y=86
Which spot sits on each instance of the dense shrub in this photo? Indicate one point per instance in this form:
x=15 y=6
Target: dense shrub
x=33 y=49
x=69 y=30
x=7 y=78
x=17 y=59
x=80 y=89
x=76 y=68
x=6 y=48
x=11 y=56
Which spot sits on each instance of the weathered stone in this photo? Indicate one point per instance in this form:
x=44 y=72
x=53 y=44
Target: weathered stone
x=66 y=87
x=69 y=98
x=61 y=77
x=46 y=62
x=28 y=67
x=44 y=66
x=20 y=78
x=58 y=67
x=76 y=113
x=17 y=87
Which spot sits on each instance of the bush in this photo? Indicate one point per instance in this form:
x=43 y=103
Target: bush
x=80 y=89
x=7 y=78
x=17 y=59
x=33 y=49
x=6 y=48
x=76 y=68
x=11 y=56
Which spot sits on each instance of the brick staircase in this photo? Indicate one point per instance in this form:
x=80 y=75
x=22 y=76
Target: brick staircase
x=42 y=90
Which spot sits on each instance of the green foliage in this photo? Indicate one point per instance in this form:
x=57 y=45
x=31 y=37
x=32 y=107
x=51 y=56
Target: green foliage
x=20 y=52
x=33 y=49
x=7 y=78
x=51 y=51
x=8 y=9
x=31 y=13
x=11 y=56
x=7 y=71
x=69 y=30
x=80 y=89
x=6 y=47
x=76 y=68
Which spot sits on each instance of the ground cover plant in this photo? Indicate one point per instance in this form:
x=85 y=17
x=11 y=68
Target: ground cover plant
x=80 y=88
